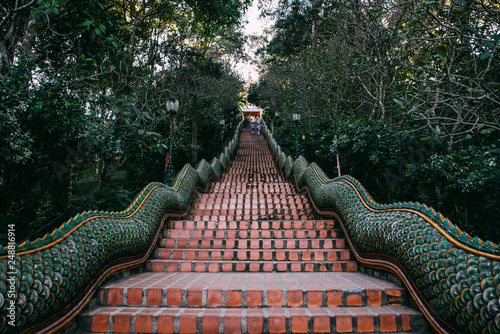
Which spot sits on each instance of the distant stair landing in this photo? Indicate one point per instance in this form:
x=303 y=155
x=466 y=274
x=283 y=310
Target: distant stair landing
x=252 y=256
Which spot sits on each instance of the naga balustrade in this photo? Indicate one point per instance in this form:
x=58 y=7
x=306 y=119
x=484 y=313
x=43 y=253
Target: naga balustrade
x=44 y=284
x=453 y=278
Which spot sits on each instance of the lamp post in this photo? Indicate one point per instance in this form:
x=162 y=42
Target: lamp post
x=222 y=122
x=277 y=116
x=231 y=124
x=172 y=107
x=335 y=147
x=296 y=119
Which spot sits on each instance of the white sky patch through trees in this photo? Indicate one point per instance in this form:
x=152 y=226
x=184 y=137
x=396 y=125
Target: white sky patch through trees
x=254 y=26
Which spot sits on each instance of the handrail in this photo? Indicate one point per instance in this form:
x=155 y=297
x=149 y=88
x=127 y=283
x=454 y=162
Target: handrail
x=44 y=284
x=453 y=278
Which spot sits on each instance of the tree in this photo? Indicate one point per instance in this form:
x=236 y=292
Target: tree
x=86 y=82
x=425 y=71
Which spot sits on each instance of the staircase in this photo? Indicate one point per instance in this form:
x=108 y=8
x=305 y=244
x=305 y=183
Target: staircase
x=252 y=257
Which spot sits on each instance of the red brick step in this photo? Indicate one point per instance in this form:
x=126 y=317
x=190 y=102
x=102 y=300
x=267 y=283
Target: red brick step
x=396 y=319
x=304 y=243
x=222 y=223
x=251 y=234
x=252 y=290
x=252 y=266
x=254 y=255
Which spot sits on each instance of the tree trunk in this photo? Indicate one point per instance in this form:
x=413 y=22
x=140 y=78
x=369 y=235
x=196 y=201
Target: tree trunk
x=29 y=36
x=71 y=183
x=4 y=58
x=357 y=23
x=12 y=30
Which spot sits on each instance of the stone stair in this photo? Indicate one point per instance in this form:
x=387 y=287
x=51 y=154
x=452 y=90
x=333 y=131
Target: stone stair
x=252 y=257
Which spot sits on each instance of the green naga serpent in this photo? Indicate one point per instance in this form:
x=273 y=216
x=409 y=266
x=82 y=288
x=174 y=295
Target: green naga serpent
x=44 y=284
x=453 y=278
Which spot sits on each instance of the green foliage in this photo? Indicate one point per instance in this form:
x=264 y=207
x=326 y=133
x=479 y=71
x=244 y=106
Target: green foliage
x=465 y=183
x=397 y=165
x=83 y=112
x=218 y=12
x=39 y=144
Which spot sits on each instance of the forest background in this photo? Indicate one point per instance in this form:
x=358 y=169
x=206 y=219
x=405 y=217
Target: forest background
x=83 y=92
x=410 y=89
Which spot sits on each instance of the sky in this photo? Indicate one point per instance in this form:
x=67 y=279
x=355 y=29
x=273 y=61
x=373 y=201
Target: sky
x=255 y=26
